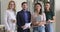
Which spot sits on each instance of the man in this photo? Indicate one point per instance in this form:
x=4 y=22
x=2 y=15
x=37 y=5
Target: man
x=23 y=17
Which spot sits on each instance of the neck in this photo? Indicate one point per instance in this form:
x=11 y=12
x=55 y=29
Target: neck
x=37 y=11
x=47 y=9
x=24 y=9
x=11 y=9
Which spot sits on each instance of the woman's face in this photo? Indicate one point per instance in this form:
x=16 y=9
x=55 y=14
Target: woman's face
x=47 y=6
x=12 y=5
x=38 y=7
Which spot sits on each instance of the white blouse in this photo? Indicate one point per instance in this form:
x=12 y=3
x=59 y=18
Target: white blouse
x=9 y=17
x=36 y=17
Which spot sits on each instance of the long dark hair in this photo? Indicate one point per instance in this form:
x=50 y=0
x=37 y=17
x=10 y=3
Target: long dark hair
x=40 y=9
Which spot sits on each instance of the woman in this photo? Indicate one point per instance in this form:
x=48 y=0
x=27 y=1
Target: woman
x=38 y=19
x=10 y=17
x=49 y=18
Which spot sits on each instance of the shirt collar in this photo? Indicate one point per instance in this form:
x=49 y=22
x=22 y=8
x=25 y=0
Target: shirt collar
x=24 y=10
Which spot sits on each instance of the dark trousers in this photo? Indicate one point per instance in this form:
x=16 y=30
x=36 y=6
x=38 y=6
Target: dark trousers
x=21 y=30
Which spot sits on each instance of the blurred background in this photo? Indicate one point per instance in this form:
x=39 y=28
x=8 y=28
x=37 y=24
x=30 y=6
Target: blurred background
x=54 y=5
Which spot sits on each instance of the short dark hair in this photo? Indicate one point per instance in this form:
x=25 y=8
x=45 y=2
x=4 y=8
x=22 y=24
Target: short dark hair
x=40 y=9
x=24 y=3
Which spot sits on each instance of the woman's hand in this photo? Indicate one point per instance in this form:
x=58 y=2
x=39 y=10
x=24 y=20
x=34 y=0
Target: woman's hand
x=13 y=21
x=50 y=21
x=35 y=23
x=42 y=23
x=39 y=23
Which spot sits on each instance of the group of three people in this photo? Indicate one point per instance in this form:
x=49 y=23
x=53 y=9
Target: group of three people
x=39 y=21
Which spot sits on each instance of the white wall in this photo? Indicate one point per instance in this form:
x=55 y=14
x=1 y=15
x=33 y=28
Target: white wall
x=57 y=5
x=57 y=11
x=4 y=4
x=18 y=4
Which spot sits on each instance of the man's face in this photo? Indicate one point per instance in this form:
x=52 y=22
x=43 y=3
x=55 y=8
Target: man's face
x=24 y=6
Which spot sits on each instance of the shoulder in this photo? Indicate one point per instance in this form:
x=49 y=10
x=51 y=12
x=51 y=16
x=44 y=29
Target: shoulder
x=28 y=11
x=7 y=11
x=19 y=12
x=32 y=14
x=43 y=13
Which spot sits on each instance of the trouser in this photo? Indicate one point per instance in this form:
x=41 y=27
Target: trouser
x=39 y=29
x=49 y=27
x=21 y=30
x=26 y=30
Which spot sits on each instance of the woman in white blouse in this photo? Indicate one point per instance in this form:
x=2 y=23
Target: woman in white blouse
x=10 y=17
x=38 y=19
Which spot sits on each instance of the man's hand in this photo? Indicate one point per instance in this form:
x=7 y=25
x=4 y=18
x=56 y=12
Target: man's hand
x=23 y=26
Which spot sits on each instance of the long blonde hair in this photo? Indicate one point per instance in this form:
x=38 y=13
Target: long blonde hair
x=14 y=6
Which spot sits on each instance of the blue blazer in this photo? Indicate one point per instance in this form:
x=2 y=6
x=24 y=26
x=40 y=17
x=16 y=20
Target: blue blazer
x=21 y=21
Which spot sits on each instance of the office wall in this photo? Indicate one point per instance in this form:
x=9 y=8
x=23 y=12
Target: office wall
x=4 y=4
x=57 y=10
x=18 y=4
